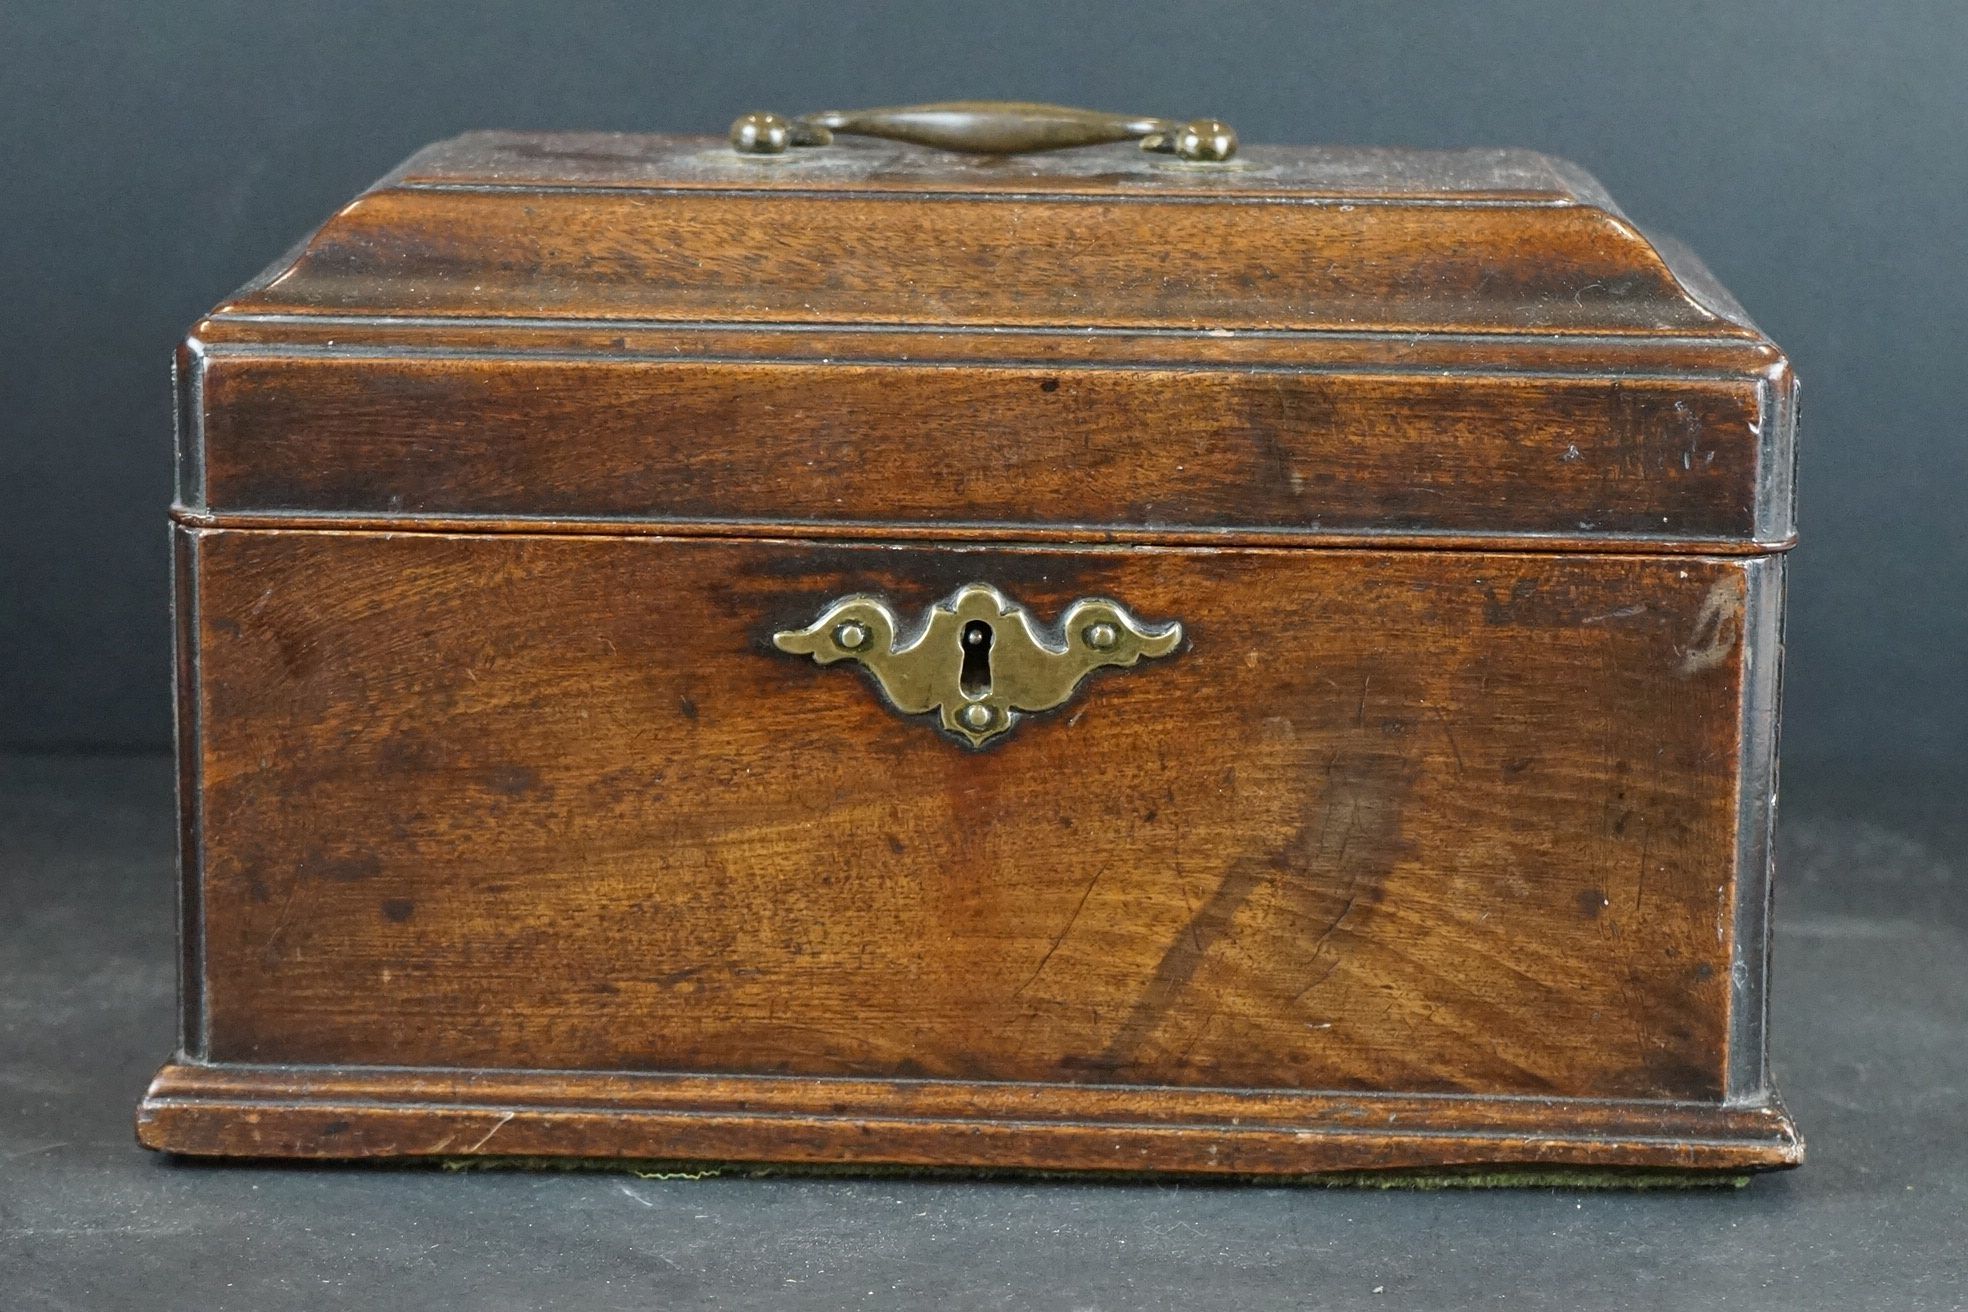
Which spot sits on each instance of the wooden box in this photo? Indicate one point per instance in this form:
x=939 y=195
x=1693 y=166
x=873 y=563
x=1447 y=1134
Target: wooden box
x=1086 y=661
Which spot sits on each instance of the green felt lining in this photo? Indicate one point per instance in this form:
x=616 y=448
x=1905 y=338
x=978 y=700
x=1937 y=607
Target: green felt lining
x=1488 y=1177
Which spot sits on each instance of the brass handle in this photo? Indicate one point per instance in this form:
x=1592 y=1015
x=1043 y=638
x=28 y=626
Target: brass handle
x=986 y=127
x=978 y=658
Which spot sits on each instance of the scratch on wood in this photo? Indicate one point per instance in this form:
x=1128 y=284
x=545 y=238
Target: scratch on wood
x=1184 y=956
x=1319 y=944
x=295 y=883
x=1717 y=627
x=1060 y=937
x=486 y=1138
x=1448 y=731
x=1323 y=975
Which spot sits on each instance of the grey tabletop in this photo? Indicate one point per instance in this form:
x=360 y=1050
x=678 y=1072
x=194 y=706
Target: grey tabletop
x=1871 y=1042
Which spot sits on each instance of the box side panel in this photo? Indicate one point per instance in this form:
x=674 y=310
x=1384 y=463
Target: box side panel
x=1776 y=483
x=1762 y=691
x=1390 y=822
x=190 y=792
x=188 y=423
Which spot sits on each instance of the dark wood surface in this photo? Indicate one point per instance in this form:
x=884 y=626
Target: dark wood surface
x=235 y=1110
x=761 y=257
x=1233 y=448
x=1285 y=238
x=1318 y=344
x=1466 y=494
x=1392 y=822
x=1403 y=822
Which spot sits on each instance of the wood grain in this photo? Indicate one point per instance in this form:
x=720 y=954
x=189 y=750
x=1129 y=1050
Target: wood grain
x=1443 y=841
x=824 y=258
x=952 y=446
x=1425 y=823
x=248 y=1111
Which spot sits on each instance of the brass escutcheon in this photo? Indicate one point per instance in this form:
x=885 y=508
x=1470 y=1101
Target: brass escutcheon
x=977 y=657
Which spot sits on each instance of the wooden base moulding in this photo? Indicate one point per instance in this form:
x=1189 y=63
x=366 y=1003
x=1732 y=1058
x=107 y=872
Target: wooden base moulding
x=249 y=1111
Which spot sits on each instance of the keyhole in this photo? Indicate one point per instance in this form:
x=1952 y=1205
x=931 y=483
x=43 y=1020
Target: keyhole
x=975 y=676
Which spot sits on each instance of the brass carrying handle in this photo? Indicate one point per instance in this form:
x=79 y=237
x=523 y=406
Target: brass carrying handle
x=986 y=127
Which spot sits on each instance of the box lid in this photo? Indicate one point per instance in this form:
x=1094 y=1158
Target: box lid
x=1296 y=345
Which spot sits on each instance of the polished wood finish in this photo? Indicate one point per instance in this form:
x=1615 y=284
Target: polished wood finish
x=1443 y=839
x=253 y=1111
x=1339 y=343
x=952 y=447
x=1271 y=861
x=1286 y=237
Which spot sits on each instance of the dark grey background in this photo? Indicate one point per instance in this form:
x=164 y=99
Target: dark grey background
x=153 y=156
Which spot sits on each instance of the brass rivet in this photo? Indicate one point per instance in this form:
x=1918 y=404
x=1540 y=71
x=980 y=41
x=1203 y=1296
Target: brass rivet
x=976 y=716
x=761 y=134
x=851 y=636
x=1207 y=140
x=1102 y=637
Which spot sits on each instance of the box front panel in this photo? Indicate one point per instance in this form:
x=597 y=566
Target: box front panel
x=1404 y=820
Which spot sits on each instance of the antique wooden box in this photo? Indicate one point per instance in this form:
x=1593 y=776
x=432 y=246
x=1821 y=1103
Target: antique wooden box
x=872 y=654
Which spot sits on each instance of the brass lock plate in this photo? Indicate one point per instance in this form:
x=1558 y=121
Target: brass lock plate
x=977 y=658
